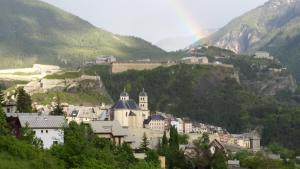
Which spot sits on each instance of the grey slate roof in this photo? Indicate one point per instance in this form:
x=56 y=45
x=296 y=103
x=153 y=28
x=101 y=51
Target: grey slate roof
x=21 y=114
x=154 y=117
x=36 y=121
x=108 y=127
x=126 y=104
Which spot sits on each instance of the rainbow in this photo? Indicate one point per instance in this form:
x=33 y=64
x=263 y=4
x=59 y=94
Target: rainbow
x=189 y=20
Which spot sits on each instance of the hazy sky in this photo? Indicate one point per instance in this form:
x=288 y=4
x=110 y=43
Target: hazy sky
x=154 y=20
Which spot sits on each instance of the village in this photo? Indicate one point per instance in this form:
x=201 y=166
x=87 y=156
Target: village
x=127 y=121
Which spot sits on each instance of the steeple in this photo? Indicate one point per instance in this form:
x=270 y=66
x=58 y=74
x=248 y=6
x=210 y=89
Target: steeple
x=124 y=95
x=143 y=100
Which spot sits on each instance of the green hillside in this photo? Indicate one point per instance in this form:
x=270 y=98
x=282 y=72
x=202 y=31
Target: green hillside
x=32 y=31
x=273 y=27
x=211 y=95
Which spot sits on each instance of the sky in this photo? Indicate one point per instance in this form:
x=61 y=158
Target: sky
x=155 y=20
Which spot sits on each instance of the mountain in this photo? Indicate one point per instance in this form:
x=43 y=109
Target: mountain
x=175 y=43
x=33 y=31
x=272 y=27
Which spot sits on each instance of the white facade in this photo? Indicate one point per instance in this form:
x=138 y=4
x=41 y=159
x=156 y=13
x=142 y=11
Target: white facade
x=47 y=128
x=50 y=136
x=156 y=125
x=188 y=127
x=178 y=124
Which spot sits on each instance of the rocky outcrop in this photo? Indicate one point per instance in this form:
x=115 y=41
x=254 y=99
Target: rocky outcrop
x=271 y=82
x=82 y=84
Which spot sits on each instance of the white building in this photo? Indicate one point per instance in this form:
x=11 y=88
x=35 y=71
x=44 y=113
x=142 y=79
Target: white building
x=178 y=124
x=195 y=60
x=263 y=55
x=128 y=113
x=46 y=128
x=83 y=114
x=187 y=126
x=105 y=59
x=155 y=122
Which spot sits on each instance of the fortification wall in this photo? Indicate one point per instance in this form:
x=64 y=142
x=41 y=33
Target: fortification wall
x=122 y=67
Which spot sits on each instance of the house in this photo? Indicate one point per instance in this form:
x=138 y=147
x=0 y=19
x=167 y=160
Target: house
x=263 y=55
x=178 y=124
x=47 y=128
x=81 y=114
x=128 y=113
x=105 y=59
x=111 y=130
x=194 y=60
x=216 y=146
x=203 y=60
x=155 y=122
x=187 y=126
x=10 y=106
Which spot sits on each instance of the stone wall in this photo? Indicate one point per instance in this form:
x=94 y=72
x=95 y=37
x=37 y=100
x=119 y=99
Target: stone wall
x=122 y=67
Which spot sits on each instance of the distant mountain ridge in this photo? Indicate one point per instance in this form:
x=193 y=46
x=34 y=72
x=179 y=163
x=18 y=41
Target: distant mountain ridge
x=33 y=31
x=175 y=43
x=273 y=27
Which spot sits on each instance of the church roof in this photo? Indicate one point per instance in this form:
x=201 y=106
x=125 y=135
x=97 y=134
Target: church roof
x=126 y=104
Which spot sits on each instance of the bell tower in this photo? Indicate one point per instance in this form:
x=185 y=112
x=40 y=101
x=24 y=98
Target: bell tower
x=143 y=100
x=124 y=95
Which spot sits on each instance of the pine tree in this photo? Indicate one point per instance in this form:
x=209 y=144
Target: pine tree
x=3 y=123
x=2 y=99
x=219 y=161
x=164 y=144
x=23 y=101
x=145 y=143
x=173 y=141
x=58 y=110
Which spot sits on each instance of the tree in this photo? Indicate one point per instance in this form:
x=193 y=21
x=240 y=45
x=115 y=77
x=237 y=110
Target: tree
x=23 y=101
x=204 y=141
x=2 y=99
x=164 y=145
x=219 y=161
x=28 y=135
x=3 y=123
x=58 y=110
x=173 y=141
x=145 y=143
x=152 y=157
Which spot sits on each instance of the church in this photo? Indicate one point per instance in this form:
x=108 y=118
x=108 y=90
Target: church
x=128 y=113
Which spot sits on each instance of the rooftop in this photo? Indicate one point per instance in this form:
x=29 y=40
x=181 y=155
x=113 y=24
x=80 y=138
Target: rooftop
x=37 y=121
x=108 y=127
x=125 y=104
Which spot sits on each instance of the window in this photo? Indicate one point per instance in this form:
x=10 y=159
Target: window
x=55 y=142
x=46 y=131
x=42 y=131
